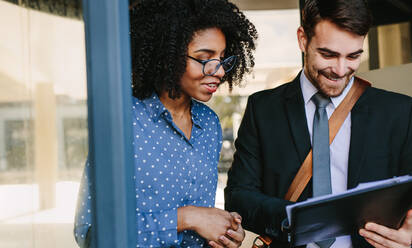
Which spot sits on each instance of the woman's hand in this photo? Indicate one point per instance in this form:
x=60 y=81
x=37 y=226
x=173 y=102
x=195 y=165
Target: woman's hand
x=233 y=238
x=382 y=237
x=210 y=223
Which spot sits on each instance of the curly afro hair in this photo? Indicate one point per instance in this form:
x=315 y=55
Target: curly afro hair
x=161 y=31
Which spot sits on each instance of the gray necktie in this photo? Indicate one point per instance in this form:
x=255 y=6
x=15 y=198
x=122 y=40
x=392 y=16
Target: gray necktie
x=321 y=158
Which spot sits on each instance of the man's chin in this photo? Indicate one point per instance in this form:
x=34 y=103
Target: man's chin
x=333 y=93
x=333 y=89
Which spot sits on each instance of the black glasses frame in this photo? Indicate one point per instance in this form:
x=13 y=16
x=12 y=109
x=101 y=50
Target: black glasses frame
x=221 y=62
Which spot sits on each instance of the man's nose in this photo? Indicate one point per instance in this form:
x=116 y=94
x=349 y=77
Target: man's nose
x=341 y=68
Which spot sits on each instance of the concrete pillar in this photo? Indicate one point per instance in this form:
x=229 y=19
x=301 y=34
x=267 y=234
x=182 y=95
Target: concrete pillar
x=45 y=137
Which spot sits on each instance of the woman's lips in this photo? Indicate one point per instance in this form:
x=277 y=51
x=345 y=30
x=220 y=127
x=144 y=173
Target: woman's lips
x=211 y=87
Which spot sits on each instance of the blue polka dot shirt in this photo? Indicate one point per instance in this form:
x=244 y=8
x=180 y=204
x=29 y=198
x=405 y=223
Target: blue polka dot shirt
x=171 y=171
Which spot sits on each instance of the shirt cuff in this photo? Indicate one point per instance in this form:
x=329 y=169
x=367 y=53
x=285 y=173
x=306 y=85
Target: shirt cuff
x=158 y=229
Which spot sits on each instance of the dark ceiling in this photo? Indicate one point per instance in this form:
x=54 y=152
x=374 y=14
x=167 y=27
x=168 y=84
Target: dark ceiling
x=390 y=11
x=67 y=8
x=383 y=11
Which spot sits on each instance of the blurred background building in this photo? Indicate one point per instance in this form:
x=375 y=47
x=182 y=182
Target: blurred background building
x=43 y=101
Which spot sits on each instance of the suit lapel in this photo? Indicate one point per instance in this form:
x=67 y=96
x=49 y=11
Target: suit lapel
x=295 y=110
x=359 y=123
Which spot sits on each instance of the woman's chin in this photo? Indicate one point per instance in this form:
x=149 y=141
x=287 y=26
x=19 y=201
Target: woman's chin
x=204 y=97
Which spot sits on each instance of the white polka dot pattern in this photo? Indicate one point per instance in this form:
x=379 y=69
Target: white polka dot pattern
x=170 y=172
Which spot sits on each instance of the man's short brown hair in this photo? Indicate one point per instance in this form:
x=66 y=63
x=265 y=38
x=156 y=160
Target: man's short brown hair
x=351 y=15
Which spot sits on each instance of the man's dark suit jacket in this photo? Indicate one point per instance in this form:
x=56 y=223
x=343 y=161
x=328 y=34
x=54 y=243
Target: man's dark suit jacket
x=273 y=141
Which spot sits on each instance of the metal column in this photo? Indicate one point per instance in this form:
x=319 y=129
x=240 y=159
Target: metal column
x=110 y=128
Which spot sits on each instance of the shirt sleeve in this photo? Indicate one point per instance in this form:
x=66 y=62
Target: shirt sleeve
x=83 y=218
x=154 y=229
x=158 y=229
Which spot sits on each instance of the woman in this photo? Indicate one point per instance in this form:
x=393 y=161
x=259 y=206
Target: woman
x=182 y=51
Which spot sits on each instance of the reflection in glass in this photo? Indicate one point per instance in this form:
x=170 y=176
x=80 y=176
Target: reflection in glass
x=43 y=123
x=278 y=60
x=18 y=150
x=75 y=142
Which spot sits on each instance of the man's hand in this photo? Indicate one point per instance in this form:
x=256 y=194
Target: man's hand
x=382 y=237
x=233 y=238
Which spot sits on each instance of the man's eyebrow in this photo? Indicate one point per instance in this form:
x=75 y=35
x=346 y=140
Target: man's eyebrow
x=326 y=50
x=356 y=53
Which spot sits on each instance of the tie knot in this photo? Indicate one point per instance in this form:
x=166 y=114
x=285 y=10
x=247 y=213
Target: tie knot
x=320 y=101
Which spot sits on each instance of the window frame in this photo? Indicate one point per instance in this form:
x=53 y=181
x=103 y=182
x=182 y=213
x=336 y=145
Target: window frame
x=110 y=123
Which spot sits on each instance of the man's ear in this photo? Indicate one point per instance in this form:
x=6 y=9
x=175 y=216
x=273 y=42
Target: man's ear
x=302 y=39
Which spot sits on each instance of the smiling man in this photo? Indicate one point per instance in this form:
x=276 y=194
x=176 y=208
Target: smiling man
x=282 y=125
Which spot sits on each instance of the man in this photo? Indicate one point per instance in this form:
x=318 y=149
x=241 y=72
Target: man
x=276 y=134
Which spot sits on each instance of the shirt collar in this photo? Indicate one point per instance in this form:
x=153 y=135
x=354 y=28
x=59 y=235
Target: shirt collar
x=195 y=110
x=308 y=90
x=156 y=109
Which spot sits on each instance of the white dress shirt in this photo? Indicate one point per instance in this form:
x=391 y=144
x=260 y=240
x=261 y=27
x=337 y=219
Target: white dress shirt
x=339 y=149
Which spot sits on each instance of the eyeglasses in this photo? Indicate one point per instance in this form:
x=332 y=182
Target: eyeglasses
x=211 y=66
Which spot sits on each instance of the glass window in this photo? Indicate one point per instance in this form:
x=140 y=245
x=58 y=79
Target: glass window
x=394 y=44
x=278 y=60
x=18 y=146
x=43 y=121
x=75 y=143
x=390 y=57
